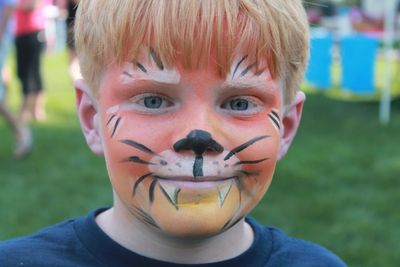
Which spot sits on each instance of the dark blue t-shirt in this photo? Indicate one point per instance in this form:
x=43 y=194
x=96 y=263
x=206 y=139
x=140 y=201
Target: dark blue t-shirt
x=81 y=242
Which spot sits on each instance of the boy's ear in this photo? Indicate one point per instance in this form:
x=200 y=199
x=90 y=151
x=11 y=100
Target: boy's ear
x=88 y=117
x=291 y=121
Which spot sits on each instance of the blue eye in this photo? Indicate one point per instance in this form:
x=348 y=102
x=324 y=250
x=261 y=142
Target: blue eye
x=242 y=105
x=152 y=102
x=239 y=104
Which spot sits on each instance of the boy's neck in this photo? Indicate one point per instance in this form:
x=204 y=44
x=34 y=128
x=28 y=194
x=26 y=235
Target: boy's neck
x=132 y=234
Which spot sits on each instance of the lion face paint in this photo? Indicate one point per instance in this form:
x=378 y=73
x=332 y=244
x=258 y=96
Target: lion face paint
x=188 y=152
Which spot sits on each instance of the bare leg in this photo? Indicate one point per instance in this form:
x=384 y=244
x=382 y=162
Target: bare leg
x=10 y=118
x=39 y=112
x=27 y=108
x=22 y=133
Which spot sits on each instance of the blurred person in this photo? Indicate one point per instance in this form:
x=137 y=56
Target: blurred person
x=74 y=69
x=22 y=134
x=67 y=12
x=29 y=41
x=52 y=14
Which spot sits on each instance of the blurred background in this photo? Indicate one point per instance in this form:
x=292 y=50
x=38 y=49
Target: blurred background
x=339 y=185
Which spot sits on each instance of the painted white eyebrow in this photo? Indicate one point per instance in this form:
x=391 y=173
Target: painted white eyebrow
x=149 y=72
x=243 y=69
x=149 y=68
x=249 y=79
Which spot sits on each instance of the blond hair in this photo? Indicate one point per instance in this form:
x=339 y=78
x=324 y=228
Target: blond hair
x=109 y=31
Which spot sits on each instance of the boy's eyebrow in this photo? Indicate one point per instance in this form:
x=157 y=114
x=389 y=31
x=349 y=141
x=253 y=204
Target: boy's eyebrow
x=254 y=82
x=239 y=86
x=145 y=83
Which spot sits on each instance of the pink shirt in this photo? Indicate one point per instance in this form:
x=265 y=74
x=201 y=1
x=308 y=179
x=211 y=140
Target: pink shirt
x=30 y=21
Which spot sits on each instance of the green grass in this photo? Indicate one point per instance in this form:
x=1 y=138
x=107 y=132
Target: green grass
x=338 y=186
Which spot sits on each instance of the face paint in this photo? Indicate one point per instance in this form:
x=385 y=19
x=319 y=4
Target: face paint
x=149 y=68
x=274 y=117
x=187 y=152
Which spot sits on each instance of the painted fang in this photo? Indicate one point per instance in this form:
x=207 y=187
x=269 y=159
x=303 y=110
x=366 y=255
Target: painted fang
x=171 y=192
x=223 y=192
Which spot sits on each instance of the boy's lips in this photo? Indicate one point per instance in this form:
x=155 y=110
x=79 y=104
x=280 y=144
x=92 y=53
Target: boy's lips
x=193 y=179
x=173 y=186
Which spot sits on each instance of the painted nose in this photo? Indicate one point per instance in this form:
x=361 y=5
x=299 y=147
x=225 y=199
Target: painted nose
x=198 y=141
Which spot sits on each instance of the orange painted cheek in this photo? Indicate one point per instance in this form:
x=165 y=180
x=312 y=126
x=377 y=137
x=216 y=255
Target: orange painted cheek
x=131 y=141
x=153 y=132
x=263 y=152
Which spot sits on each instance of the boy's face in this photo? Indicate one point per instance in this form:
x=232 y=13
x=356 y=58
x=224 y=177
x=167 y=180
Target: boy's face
x=188 y=152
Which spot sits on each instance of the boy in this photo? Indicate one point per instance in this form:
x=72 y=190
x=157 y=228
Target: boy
x=191 y=103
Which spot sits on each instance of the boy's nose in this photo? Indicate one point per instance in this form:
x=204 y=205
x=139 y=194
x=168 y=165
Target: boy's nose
x=198 y=141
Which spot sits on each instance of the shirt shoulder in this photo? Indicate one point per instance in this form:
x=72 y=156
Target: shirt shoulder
x=289 y=251
x=55 y=245
x=43 y=236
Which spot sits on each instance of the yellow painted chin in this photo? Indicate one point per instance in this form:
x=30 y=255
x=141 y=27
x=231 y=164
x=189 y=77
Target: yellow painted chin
x=196 y=213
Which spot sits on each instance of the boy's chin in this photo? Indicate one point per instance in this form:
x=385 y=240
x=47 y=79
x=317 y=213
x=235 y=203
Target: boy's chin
x=197 y=213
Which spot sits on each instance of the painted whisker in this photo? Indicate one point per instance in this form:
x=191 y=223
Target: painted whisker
x=110 y=119
x=136 y=159
x=138 y=146
x=151 y=190
x=250 y=161
x=138 y=181
x=226 y=224
x=244 y=146
x=115 y=126
x=230 y=223
x=146 y=217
